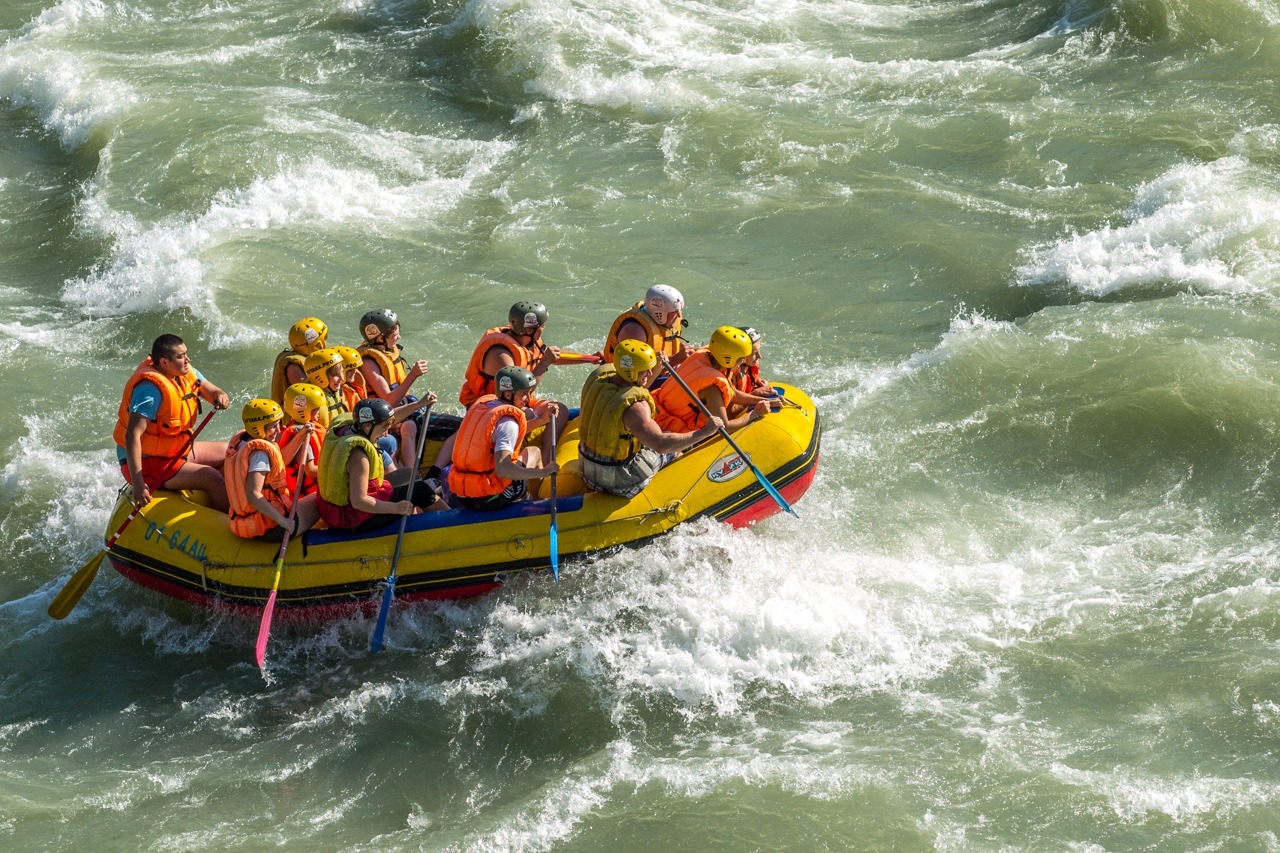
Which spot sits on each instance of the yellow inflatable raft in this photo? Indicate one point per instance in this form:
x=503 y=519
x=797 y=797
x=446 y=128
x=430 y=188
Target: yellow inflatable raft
x=184 y=549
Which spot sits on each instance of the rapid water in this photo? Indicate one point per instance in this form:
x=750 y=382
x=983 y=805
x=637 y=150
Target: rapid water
x=1023 y=255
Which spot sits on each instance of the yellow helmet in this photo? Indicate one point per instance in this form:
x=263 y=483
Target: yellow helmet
x=351 y=357
x=631 y=358
x=258 y=415
x=308 y=335
x=729 y=345
x=318 y=363
x=302 y=400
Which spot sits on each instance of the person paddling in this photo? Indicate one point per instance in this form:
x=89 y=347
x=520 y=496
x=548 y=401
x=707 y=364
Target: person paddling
x=355 y=493
x=708 y=371
x=622 y=446
x=257 y=484
x=305 y=406
x=517 y=344
x=154 y=423
x=489 y=469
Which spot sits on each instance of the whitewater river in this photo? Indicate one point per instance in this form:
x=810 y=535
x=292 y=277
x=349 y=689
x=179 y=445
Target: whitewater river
x=1024 y=255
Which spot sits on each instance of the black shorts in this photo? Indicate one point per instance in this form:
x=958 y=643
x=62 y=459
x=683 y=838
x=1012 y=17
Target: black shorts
x=512 y=493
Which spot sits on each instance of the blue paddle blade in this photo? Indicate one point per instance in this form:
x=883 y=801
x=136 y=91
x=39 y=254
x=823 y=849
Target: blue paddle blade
x=768 y=487
x=380 y=627
x=555 y=554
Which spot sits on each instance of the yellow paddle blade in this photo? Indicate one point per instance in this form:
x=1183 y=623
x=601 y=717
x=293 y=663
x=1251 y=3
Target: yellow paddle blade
x=66 y=600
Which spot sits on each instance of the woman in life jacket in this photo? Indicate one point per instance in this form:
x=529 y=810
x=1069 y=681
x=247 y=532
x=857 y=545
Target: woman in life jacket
x=259 y=493
x=305 y=406
x=356 y=492
x=325 y=371
x=707 y=372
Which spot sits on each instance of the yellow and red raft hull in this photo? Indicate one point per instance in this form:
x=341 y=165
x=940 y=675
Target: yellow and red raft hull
x=186 y=550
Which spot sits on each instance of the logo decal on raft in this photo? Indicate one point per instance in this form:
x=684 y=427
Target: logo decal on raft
x=726 y=468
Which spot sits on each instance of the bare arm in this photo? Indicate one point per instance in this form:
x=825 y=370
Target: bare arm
x=380 y=388
x=646 y=430
x=215 y=395
x=133 y=458
x=509 y=468
x=358 y=477
x=253 y=491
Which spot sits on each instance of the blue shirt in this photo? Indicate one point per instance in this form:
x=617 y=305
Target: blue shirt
x=145 y=401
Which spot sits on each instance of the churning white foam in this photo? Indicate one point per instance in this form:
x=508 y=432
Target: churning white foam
x=1200 y=226
x=71 y=96
x=163 y=265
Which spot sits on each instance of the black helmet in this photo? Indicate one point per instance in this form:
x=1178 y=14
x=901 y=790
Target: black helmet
x=376 y=323
x=525 y=317
x=512 y=378
x=371 y=410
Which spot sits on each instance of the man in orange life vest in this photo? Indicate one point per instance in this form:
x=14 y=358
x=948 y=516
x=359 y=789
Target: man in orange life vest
x=657 y=320
x=708 y=371
x=622 y=446
x=157 y=414
x=518 y=344
x=258 y=489
x=489 y=469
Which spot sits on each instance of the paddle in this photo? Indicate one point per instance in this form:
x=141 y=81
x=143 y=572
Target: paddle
x=66 y=600
x=768 y=487
x=389 y=591
x=264 y=628
x=580 y=357
x=554 y=535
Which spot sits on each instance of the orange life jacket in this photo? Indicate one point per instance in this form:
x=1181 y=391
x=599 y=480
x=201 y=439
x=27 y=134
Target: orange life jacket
x=390 y=365
x=308 y=484
x=472 y=474
x=350 y=396
x=663 y=340
x=477 y=383
x=167 y=435
x=359 y=385
x=246 y=521
x=747 y=378
x=678 y=413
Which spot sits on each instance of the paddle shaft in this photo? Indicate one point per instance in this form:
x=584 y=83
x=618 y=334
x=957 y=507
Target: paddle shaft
x=554 y=534
x=67 y=598
x=724 y=433
x=389 y=591
x=264 y=627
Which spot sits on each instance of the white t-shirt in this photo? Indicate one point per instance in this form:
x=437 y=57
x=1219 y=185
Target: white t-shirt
x=259 y=462
x=506 y=432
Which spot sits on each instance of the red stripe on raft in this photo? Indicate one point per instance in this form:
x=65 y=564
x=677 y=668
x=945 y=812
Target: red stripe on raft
x=367 y=605
x=767 y=506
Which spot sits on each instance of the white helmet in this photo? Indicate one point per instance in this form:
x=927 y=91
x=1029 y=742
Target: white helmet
x=662 y=302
